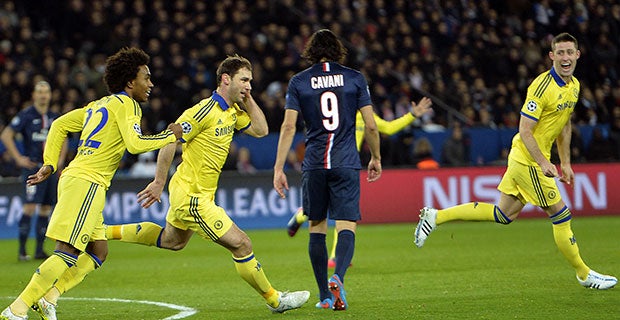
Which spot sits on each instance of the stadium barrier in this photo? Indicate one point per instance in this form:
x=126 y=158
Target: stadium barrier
x=396 y=197
x=399 y=194
x=485 y=145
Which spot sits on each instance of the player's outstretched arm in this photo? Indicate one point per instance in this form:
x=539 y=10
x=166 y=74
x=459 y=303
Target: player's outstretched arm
x=287 y=133
x=153 y=190
x=396 y=125
x=422 y=107
x=177 y=129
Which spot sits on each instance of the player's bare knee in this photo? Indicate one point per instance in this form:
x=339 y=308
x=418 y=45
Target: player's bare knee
x=512 y=216
x=97 y=260
x=177 y=246
x=98 y=250
x=172 y=243
x=65 y=247
x=242 y=246
x=102 y=255
x=246 y=245
x=171 y=239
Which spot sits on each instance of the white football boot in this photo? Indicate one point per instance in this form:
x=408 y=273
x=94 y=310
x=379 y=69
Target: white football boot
x=599 y=281
x=45 y=309
x=427 y=224
x=8 y=315
x=290 y=301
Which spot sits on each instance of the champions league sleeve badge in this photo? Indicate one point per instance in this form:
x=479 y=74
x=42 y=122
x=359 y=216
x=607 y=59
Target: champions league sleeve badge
x=187 y=127
x=531 y=106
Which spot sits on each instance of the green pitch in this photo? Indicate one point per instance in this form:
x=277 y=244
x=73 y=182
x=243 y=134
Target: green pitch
x=465 y=271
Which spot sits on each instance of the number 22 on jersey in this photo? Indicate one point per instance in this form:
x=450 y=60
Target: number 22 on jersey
x=89 y=131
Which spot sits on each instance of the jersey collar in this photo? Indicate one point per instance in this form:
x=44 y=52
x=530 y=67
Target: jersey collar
x=123 y=93
x=557 y=78
x=220 y=100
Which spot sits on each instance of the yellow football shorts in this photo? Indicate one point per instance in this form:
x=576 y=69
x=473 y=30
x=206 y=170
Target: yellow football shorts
x=196 y=212
x=529 y=184
x=78 y=216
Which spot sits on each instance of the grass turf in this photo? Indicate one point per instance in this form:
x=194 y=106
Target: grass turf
x=465 y=271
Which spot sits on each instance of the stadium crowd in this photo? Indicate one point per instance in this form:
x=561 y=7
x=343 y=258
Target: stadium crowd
x=475 y=56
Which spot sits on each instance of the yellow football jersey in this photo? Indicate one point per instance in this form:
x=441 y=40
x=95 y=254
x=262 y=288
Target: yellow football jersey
x=208 y=129
x=550 y=101
x=109 y=126
x=385 y=127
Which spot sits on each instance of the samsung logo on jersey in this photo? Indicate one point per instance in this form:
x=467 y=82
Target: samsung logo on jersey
x=566 y=105
x=331 y=81
x=224 y=131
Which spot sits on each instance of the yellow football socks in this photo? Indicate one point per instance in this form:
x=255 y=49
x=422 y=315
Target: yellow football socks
x=565 y=240
x=251 y=271
x=72 y=277
x=42 y=280
x=145 y=233
x=19 y=308
x=301 y=217
x=473 y=211
x=52 y=295
x=113 y=232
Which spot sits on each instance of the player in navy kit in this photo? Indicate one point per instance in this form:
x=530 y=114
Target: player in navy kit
x=328 y=95
x=33 y=124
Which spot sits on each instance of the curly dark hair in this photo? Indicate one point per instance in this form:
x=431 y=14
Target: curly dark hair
x=324 y=45
x=231 y=65
x=123 y=67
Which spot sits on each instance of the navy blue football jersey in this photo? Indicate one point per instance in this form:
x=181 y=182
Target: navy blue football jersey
x=328 y=96
x=33 y=126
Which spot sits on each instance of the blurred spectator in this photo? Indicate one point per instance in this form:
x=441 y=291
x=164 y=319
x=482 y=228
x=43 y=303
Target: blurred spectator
x=502 y=160
x=601 y=148
x=8 y=168
x=231 y=160
x=485 y=120
x=396 y=150
x=576 y=146
x=423 y=155
x=145 y=167
x=455 y=151
x=614 y=131
x=244 y=163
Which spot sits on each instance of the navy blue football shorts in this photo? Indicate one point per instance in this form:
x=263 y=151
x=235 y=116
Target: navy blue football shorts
x=333 y=191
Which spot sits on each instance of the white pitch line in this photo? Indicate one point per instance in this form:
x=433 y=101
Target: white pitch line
x=184 y=311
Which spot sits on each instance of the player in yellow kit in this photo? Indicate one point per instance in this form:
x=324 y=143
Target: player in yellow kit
x=385 y=127
x=545 y=118
x=109 y=126
x=208 y=129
